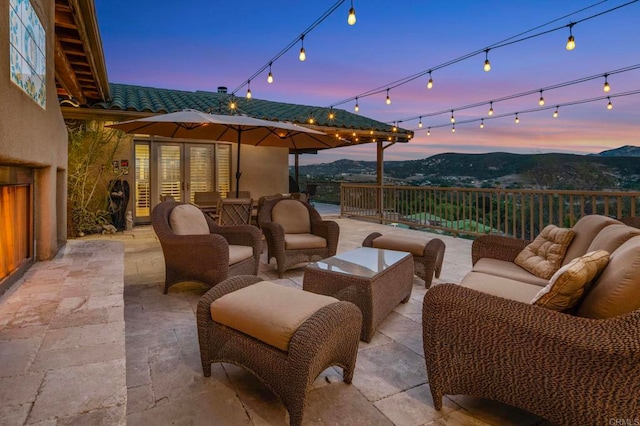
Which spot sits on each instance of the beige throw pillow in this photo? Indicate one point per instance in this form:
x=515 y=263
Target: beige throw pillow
x=544 y=255
x=569 y=283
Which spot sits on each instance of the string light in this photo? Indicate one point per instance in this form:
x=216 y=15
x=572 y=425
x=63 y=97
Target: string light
x=430 y=83
x=420 y=123
x=606 y=87
x=482 y=123
x=453 y=119
x=517 y=118
x=332 y=115
x=453 y=128
x=249 y=89
x=311 y=120
x=571 y=41
x=388 y=98
x=555 y=113
x=609 y=105
x=395 y=127
x=487 y=64
x=232 y=104
x=490 y=108
x=357 y=107
x=270 y=76
x=429 y=131
x=303 y=54
x=351 y=20
x=541 y=100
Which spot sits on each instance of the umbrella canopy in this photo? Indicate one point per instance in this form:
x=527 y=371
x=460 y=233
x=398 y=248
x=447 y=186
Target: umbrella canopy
x=193 y=124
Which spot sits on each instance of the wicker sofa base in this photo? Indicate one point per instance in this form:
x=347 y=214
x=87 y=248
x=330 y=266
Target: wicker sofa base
x=428 y=264
x=327 y=338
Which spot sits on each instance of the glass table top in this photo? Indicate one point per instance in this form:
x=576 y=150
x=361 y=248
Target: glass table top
x=364 y=261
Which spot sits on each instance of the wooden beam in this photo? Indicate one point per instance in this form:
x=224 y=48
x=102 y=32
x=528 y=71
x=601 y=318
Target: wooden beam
x=65 y=74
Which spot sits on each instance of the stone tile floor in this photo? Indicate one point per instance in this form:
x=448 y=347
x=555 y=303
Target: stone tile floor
x=164 y=381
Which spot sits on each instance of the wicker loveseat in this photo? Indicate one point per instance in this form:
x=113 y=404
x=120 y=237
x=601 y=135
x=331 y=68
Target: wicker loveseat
x=484 y=337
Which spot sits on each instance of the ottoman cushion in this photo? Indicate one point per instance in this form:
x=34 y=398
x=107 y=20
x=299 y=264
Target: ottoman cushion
x=414 y=246
x=268 y=312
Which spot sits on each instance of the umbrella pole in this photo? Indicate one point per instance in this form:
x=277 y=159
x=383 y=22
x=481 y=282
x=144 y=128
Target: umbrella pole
x=297 y=169
x=238 y=172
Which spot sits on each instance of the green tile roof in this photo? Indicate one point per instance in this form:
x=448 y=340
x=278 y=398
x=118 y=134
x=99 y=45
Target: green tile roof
x=149 y=99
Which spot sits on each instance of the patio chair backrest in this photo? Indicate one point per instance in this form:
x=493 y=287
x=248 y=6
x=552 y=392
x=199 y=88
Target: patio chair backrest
x=234 y=211
x=206 y=197
x=292 y=215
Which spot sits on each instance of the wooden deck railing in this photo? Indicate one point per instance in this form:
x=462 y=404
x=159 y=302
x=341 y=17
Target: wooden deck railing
x=520 y=213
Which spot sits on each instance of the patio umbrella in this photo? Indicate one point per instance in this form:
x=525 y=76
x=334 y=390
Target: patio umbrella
x=193 y=124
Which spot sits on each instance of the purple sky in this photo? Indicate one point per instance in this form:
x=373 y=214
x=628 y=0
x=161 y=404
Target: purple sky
x=200 y=45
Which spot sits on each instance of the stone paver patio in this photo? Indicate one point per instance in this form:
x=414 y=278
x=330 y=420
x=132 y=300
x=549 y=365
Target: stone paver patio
x=62 y=336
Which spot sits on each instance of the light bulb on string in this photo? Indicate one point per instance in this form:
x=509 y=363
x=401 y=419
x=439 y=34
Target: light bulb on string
x=232 y=104
x=490 y=108
x=420 y=123
x=388 y=98
x=311 y=120
x=571 y=41
x=303 y=54
x=429 y=131
x=482 y=123
x=351 y=20
x=332 y=115
x=357 y=107
x=517 y=120
x=541 y=100
x=249 y=89
x=487 y=64
x=430 y=83
x=453 y=128
x=555 y=113
x=395 y=127
x=606 y=87
x=270 y=75
x=609 y=105
x=453 y=119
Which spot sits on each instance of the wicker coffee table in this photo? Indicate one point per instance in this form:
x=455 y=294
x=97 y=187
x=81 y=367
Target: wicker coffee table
x=375 y=280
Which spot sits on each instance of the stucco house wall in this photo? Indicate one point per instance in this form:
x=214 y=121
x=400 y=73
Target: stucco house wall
x=36 y=138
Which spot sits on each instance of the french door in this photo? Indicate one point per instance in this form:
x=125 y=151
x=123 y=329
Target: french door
x=178 y=170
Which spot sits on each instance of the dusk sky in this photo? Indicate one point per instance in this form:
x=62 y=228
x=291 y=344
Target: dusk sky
x=200 y=45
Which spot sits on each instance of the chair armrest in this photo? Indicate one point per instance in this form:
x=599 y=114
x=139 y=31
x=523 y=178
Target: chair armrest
x=244 y=235
x=330 y=231
x=273 y=230
x=208 y=246
x=531 y=357
x=497 y=247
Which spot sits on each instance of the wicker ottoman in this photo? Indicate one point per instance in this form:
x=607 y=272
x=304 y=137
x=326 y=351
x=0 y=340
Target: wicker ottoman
x=286 y=337
x=375 y=280
x=428 y=254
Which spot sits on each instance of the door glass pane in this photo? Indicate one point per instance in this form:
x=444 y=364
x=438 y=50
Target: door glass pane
x=200 y=169
x=169 y=171
x=142 y=191
x=223 y=169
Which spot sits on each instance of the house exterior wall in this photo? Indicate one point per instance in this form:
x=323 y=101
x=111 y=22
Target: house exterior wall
x=36 y=138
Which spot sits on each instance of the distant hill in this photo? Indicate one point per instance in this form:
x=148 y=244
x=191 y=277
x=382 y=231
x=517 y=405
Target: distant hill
x=623 y=151
x=615 y=168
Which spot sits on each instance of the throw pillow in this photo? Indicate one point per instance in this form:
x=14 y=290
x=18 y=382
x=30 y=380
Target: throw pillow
x=544 y=255
x=569 y=283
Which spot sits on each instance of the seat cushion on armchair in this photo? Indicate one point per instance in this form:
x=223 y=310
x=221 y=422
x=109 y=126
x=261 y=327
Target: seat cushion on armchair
x=303 y=241
x=293 y=216
x=238 y=253
x=585 y=231
x=268 y=312
x=186 y=219
x=612 y=237
x=617 y=290
x=569 y=283
x=502 y=268
x=544 y=255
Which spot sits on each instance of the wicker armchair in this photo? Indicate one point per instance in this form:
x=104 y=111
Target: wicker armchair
x=204 y=258
x=294 y=232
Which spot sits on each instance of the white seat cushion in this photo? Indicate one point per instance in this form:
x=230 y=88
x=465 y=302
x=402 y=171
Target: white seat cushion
x=239 y=253
x=186 y=219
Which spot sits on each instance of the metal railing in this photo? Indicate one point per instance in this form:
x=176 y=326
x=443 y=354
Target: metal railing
x=519 y=213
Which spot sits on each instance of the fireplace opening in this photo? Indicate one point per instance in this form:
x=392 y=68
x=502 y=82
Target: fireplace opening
x=16 y=223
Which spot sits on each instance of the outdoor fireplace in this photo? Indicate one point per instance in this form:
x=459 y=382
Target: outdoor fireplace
x=16 y=223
